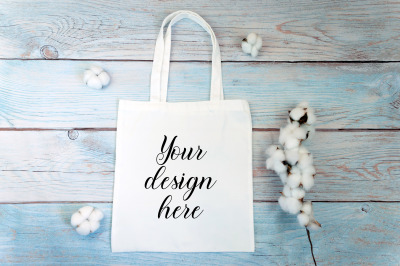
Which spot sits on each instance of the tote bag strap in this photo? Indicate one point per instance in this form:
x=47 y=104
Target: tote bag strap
x=160 y=71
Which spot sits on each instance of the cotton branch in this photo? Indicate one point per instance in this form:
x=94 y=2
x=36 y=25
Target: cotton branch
x=294 y=165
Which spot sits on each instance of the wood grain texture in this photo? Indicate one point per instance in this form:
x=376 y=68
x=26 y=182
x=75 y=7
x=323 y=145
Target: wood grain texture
x=51 y=94
x=48 y=166
x=360 y=233
x=292 y=30
x=53 y=166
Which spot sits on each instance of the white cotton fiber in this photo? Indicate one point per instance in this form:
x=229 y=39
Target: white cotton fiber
x=86 y=220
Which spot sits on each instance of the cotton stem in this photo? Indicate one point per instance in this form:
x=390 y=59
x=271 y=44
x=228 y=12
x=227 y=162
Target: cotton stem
x=311 y=246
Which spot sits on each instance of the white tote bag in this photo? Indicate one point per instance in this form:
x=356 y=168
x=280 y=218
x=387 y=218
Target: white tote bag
x=183 y=174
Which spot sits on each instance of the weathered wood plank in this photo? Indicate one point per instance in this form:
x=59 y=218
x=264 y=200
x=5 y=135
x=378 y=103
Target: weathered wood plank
x=49 y=166
x=323 y=30
x=51 y=94
x=352 y=233
x=357 y=234
x=46 y=228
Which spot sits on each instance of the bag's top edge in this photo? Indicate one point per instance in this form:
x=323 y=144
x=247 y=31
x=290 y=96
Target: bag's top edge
x=200 y=105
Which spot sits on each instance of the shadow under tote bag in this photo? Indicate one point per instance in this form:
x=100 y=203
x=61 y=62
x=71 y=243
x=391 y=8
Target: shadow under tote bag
x=183 y=174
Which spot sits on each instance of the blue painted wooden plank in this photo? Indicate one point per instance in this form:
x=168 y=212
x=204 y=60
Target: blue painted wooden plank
x=51 y=94
x=357 y=233
x=49 y=166
x=352 y=233
x=41 y=234
x=304 y=30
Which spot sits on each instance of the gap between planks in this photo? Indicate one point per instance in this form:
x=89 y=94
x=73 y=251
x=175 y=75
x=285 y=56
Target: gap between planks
x=254 y=129
x=254 y=201
x=206 y=61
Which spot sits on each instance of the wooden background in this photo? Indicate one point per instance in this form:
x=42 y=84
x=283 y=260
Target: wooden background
x=57 y=137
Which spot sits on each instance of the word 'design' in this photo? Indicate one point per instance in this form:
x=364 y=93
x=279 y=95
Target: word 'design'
x=160 y=180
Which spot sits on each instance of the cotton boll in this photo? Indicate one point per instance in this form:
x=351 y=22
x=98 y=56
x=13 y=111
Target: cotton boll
x=283 y=203
x=276 y=165
x=96 y=215
x=309 y=170
x=283 y=134
x=286 y=133
x=94 y=83
x=313 y=224
x=295 y=170
x=86 y=220
x=279 y=167
x=83 y=228
x=303 y=219
x=308 y=115
x=283 y=176
x=299 y=133
x=96 y=78
x=293 y=205
x=303 y=150
x=272 y=149
x=246 y=47
x=96 y=70
x=294 y=180
x=307 y=208
x=307 y=181
x=278 y=155
x=292 y=126
x=310 y=131
x=290 y=205
x=297 y=113
x=270 y=163
x=275 y=155
x=305 y=161
x=104 y=78
x=254 y=52
x=86 y=211
x=252 y=44
x=291 y=143
x=88 y=74
x=252 y=38
x=292 y=156
x=77 y=219
x=94 y=225
x=303 y=119
x=311 y=118
x=307 y=178
x=273 y=164
x=291 y=135
x=287 y=192
x=298 y=193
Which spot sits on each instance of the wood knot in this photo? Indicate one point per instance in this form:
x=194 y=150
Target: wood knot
x=365 y=208
x=49 y=52
x=73 y=134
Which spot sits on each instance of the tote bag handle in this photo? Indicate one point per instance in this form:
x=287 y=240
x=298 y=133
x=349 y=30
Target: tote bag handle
x=160 y=71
